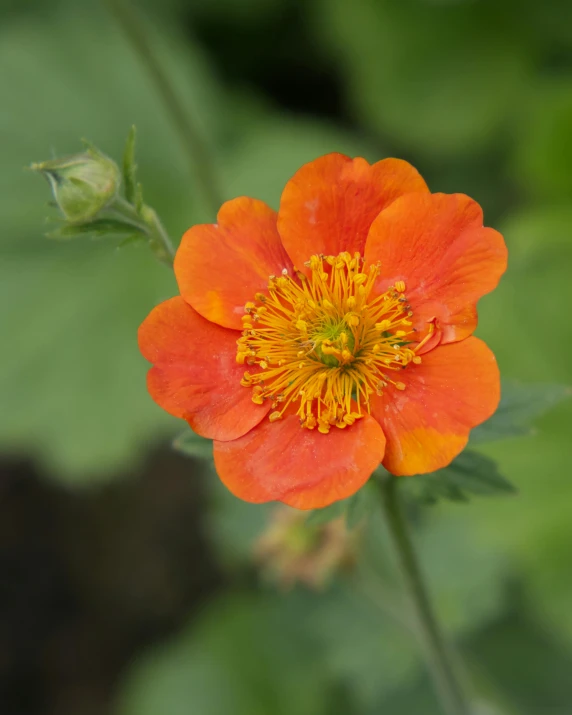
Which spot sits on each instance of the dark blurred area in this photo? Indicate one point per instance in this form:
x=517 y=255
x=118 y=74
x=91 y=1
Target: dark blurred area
x=127 y=578
x=91 y=578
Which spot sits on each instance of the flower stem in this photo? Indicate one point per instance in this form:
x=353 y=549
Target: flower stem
x=449 y=689
x=148 y=223
x=190 y=136
x=158 y=239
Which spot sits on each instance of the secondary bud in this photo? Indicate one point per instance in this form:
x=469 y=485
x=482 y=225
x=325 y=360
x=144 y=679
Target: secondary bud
x=82 y=184
x=291 y=551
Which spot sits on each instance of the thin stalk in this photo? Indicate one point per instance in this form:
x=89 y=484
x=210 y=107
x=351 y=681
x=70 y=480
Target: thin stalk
x=189 y=134
x=158 y=239
x=147 y=222
x=448 y=686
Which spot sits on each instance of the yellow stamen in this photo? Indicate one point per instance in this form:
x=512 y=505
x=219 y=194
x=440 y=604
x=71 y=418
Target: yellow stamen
x=326 y=343
x=257 y=396
x=383 y=325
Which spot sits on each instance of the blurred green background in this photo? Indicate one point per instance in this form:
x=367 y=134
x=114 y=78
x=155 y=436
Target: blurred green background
x=127 y=581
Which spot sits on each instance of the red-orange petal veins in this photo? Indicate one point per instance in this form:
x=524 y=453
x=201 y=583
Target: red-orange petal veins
x=195 y=374
x=219 y=267
x=281 y=462
x=437 y=245
x=453 y=389
x=329 y=204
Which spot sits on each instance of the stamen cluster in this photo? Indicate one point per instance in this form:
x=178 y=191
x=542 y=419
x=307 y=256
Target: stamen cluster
x=323 y=345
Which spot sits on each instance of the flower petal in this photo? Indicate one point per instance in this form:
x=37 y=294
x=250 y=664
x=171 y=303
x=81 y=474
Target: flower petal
x=437 y=245
x=455 y=388
x=219 y=267
x=195 y=374
x=281 y=461
x=329 y=204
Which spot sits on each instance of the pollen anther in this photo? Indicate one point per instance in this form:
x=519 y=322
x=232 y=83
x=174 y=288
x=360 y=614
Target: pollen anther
x=325 y=343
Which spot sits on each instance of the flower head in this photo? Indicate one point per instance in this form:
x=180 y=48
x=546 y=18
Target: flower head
x=315 y=343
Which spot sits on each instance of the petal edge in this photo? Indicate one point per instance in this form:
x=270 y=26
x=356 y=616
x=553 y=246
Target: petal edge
x=219 y=267
x=330 y=203
x=437 y=245
x=455 y=388
x=195 y=375
x=282 y=461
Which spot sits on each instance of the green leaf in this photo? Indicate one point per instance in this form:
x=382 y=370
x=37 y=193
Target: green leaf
x=520 y=404
x=129 y=167
x=469 y=474
x=100 y=227
x=191 y=445
x=474 y=473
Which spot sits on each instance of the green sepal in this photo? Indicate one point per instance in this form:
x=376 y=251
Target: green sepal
x=131 y=187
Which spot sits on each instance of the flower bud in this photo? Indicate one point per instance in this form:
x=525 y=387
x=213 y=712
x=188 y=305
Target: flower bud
x=82 y=184
x=290 y=551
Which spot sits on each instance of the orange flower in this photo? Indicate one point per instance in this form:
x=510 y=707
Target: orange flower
x=315 y=343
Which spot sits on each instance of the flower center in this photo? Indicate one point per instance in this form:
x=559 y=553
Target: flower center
x=323 y=344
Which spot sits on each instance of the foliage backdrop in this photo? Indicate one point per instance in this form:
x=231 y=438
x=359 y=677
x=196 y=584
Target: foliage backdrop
x=478 y=95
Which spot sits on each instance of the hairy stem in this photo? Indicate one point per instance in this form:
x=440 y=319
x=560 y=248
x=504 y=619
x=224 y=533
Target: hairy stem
x=158 y=238
x=447 y=683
